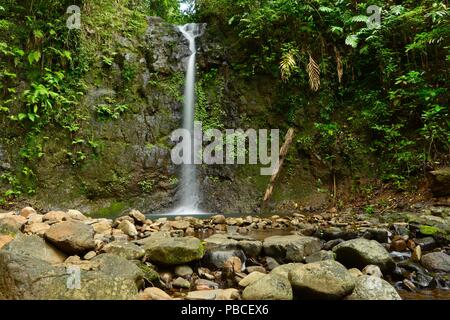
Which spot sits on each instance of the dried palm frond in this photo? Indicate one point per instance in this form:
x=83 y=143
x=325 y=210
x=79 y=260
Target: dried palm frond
x=314 y=74
x=287 y=64
x=339 y=65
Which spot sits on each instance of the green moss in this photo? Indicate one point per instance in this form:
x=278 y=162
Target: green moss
x=150 y=274
x=429 y=230
x=112 y=211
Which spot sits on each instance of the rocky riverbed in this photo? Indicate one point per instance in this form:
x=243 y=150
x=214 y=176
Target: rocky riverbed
x=331 y=255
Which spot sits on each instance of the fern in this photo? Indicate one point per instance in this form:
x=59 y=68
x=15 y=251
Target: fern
x=360 y=18
x=351 y=40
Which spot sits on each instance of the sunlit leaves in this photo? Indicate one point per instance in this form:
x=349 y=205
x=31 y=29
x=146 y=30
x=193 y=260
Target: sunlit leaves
x=352 y=40
x=34 y=56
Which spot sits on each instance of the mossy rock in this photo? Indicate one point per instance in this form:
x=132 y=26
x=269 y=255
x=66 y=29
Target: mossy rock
x=8 y=230
x=174 y=251
x=429 y=230
x=150 y=274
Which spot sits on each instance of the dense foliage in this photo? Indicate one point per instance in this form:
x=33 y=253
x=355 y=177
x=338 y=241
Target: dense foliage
x=378 y=89
x=369 y=91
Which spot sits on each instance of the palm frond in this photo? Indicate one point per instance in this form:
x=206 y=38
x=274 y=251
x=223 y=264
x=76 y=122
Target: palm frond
x=287 y=65
x=314 y=74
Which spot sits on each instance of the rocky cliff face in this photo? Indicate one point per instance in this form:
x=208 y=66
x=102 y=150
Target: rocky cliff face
x=130 y=165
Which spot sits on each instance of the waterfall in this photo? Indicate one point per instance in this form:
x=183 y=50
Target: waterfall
x=190 y=198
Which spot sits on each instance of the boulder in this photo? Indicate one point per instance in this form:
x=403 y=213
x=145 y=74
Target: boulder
x=373 y=288
x=183 y=271
x=372 y=270
x=23 y=277
x=283 y=270
x=124 y=249
x=9 y=227
x=71 y=237
x=217 y=258
x=174 y=251
x=220 y=242
x=218 y=219
x=180 y=224
x=5 y=239
x=358 y=253
x=269 y=287
x=118 y=267
x=326 y=279
x=27 y=211
x=36 y=228
x=181 y=283
x=76 y=215
x=103 y=227
x=55 y=216
x=440 y=182
x=13 y=221
x=35 y=247
x=436 y=261
x=128 y=228
x=251 y=248
x=291 y=248
x=320 y=256
x=252 y=277
x=137 y=216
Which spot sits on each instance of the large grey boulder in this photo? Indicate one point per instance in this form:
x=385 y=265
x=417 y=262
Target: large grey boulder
x=35 y=247
x=23 y=277
x=124 y=249
x=326 y=279
x=291 y=248
x=174 y=251
x=269 y=287
x=71 y=237
x=358 y=253
x=118 y=267
x=436 y=261
x=373 y=288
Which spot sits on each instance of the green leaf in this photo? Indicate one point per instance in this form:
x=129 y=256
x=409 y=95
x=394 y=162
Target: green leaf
x=38 y=34
x=352 y=40
x=67 y=55
x=34 y=56
x=337 y=30
x=21 y=116
x=32 y=117
x=360 y=18
x=325 y=9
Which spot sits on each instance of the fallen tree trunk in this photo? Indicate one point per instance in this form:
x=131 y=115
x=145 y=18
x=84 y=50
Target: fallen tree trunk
x=283 y=152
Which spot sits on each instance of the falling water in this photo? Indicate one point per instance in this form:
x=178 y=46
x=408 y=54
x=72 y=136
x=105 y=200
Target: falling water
x=190 y=198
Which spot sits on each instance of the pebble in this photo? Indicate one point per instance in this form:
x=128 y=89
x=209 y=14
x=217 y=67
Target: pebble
x=417 y=254
x=181 y=283
x=372 y=270
x=154 y=294
x=89 y=255
x=183 y=271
